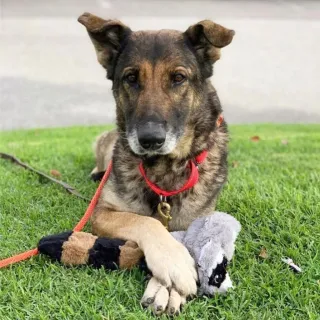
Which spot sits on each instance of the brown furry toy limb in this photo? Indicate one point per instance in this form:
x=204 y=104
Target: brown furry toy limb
x=82 y=248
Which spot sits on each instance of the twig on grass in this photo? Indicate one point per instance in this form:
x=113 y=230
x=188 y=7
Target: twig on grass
x=66 y=186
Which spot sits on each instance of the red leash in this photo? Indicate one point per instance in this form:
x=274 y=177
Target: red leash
x=30 y=253
x=193 y=179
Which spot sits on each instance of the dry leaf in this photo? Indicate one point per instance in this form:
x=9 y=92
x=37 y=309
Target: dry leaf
x=255 y=138
x=55 y=173
x=263 y=253
x=284 y=141
x=235 y=164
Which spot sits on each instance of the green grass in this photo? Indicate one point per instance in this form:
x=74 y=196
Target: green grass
x=274 y=192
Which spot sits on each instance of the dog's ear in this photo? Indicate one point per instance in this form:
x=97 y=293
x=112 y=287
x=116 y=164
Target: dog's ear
x=107 y=37
x=207 y=38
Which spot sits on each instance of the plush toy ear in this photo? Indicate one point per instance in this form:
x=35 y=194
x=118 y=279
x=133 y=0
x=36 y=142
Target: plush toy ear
x=107 y=37
x=207 y=38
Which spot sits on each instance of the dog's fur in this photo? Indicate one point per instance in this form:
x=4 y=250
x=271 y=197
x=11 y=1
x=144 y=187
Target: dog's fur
x=144 y=67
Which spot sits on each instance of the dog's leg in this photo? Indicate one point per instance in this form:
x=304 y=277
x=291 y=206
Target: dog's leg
x=167 y=259
x=103 y=150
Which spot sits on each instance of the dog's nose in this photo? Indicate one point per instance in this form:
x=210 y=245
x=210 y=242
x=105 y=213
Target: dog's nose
x=151 y=135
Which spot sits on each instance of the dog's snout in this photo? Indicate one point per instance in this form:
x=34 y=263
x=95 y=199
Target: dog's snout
x=151 y=135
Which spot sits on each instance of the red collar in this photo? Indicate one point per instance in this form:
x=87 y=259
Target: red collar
x=193 y=178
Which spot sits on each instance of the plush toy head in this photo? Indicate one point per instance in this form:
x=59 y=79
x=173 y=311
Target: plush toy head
x=212 y=270
x=210 y=241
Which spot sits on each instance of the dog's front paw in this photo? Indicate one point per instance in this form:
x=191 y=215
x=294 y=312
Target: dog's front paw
x=160 y=299
x=170 y=262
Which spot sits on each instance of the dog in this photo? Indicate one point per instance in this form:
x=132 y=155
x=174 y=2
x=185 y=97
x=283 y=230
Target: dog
x=167 y=113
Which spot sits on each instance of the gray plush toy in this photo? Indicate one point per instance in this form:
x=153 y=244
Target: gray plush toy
x=211 y=242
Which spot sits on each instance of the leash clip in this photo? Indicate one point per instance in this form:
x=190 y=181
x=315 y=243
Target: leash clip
x=164 y=210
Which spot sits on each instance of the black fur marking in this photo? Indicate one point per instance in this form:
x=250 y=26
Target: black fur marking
x=97 y=176
x=219 y=274
x=52 y=245
x=105 y=253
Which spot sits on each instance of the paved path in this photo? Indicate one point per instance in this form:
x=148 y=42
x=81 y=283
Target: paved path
x=49 y=75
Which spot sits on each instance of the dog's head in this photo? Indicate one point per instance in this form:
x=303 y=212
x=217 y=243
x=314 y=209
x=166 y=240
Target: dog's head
x=158 y=79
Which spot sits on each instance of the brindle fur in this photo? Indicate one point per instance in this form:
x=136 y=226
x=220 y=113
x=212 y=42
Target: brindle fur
x=191 y=110
x=129 y=192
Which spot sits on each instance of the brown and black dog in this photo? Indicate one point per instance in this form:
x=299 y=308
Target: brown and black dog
x=167 y=113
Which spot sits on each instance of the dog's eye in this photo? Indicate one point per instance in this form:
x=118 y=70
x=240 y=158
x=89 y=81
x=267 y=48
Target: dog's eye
x=178 y=78
x=131 y=78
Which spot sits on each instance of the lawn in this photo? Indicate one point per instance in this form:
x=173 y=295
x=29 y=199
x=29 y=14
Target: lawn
x=273 y=189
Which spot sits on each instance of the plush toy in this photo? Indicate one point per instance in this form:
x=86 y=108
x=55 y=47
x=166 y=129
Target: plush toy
x=210 y=241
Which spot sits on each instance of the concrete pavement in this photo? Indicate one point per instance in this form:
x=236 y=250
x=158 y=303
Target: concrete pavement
x=49 y=75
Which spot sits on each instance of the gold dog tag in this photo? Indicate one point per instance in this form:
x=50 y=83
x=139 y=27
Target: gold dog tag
x=164 y=212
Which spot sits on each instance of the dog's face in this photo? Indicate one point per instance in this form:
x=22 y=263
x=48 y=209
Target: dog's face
x=158 y=78
x=155 y=83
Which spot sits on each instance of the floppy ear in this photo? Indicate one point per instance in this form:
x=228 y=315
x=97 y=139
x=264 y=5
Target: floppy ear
x=207 y=38
x=107 y=37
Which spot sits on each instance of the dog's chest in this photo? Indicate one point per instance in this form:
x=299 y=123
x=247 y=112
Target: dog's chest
x=130 y=193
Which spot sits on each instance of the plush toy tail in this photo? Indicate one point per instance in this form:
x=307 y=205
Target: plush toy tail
x=82 y=248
